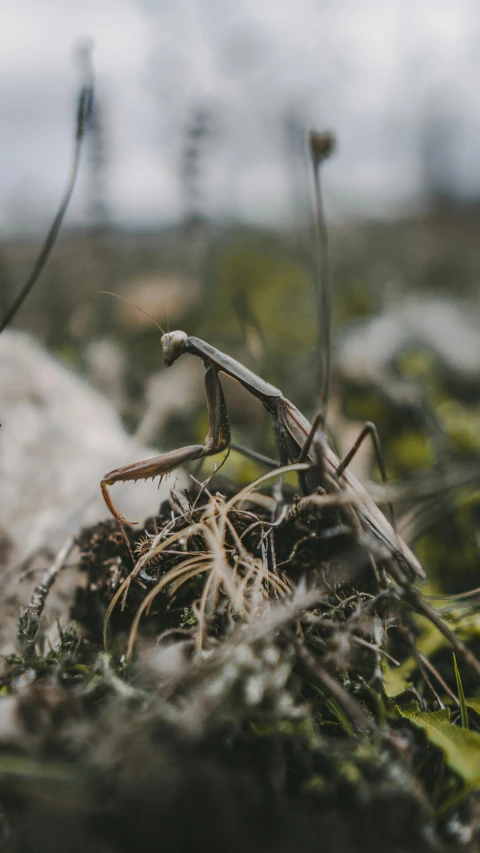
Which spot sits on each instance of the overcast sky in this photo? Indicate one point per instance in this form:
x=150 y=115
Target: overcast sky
x=393 y=78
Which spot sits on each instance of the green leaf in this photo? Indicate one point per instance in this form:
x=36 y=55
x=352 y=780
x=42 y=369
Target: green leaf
x=461 y=695
x=474 y=704
x=460 y=747
x=396 y=679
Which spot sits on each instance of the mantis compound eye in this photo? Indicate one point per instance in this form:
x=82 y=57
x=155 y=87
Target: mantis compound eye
x=173 y=344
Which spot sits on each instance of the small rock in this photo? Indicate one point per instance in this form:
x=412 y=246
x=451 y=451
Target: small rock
x=58 y=438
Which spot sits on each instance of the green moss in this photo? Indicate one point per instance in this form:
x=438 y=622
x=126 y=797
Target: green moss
x=188 y=619
x=350 y=772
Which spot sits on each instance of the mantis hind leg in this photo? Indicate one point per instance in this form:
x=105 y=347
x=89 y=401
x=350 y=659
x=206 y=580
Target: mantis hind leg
x=370 y=431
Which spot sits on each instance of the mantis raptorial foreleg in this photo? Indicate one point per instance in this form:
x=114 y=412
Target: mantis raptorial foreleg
x=216 y=440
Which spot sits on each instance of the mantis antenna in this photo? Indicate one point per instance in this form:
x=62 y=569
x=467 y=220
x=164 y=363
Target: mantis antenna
x=124 y=299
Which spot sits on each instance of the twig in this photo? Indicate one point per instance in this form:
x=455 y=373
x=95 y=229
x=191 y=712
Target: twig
x=84 y=110
x=30 y=617
x=348 y=704
x=321 y=146
x=415 y=599
x=422 y=659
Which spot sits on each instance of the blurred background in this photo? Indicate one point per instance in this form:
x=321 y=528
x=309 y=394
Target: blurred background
x=194 y=202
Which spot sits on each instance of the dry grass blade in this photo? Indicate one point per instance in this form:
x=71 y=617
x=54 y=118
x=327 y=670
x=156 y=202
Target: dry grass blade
x=142 y=562
x=244 y=494
x=201 y=565
x=207 y=603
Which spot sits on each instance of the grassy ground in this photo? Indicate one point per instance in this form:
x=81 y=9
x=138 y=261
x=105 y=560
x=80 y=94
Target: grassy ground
x=250 y=685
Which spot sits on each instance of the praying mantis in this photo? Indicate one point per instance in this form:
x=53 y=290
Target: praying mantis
x=297 y=440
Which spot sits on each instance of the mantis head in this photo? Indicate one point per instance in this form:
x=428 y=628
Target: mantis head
x=173 y=344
